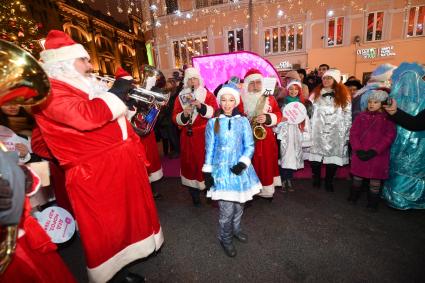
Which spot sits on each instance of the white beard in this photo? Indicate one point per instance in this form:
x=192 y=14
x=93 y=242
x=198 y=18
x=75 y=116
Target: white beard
x=250 y=100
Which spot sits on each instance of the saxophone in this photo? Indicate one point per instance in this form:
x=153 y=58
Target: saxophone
x=258 y=129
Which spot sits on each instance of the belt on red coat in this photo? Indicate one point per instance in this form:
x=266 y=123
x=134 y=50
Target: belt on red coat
x=87 y=157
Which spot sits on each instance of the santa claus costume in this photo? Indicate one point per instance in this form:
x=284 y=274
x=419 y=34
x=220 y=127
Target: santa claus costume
x=106 y=179
x=192 y=136
x=265 y=159
x=123 y=84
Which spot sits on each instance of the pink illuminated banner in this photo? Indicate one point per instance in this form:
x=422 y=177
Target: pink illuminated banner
x=218 y=68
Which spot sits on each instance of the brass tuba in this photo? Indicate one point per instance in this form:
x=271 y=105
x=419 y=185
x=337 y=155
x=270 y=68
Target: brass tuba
x=22 y=82
x=149 y=97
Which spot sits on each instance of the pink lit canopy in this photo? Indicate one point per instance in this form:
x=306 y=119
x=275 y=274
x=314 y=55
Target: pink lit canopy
x=218 y=68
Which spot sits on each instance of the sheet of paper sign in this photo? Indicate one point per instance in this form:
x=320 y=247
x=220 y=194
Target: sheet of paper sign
x=269 y=85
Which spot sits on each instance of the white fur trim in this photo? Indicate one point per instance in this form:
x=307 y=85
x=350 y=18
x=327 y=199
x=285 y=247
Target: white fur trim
x=334 y=73
x=210 y=112
x=179 y=120
x=25 y=159
x=122 y=122
x=252 y=77
x=267 y=191
x=328 y=159
x=207 y=168
x=115 y=104
x=192 y=73
x=64 y=53
x=277 y=182
x=193 y=183
x=245 y=160
x=241 y=197
x=294 y=83
x=138 y=250
x=155 y=176
x=128 y=78
x=273 y=117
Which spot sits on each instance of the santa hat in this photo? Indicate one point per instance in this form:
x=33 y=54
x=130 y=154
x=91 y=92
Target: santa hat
x=383 y=73
x=378 y=95
x=252 y=75
x=60 y=47
x=294 y=83
x=123 y=74
x=229 y=88
x=192 y=73
x=334 y=73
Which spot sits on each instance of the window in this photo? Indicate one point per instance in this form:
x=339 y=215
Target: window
x=335 y=31
x=416 y=22
x=288 y=38
x=235 y=40
x=375 y=25
x=172 y=6
x=207 y=3
x=185 y=49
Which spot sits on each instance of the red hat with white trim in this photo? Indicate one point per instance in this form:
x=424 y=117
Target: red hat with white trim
x=252 y=75
x=60 y=47
x=123 y=74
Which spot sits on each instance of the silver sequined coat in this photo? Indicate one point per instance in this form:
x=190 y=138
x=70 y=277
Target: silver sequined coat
x=330 y=131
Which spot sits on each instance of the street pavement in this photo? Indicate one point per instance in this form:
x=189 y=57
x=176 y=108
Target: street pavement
x=308 y=235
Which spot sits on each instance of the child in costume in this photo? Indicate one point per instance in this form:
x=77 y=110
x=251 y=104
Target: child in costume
x=229 y=176
x=292 y=137
x=371 y=137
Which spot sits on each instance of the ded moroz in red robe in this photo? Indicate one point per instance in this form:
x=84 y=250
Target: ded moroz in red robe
x=265 y=159
x=152 y=155
x=106 y=177
x=192 y=149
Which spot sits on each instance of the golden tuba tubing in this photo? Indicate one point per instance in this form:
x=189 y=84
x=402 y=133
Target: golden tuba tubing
x=259 y=131
x=22 y=82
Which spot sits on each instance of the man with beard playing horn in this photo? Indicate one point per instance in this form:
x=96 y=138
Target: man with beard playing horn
x=106 y=179
x=263 y=110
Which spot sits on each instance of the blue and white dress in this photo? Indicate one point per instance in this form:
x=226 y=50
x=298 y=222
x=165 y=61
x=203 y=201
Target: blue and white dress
x=232 y=144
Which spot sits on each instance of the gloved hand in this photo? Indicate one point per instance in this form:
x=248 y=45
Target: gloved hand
x=238 y=168
x=209 y=181
x=121 y=88
x=365 y=155
x=6 y=194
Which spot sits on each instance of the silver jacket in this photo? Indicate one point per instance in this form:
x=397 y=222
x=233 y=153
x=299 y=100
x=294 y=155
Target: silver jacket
x=330 y=132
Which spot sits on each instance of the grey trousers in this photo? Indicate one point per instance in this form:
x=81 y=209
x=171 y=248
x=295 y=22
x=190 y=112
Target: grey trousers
x=230 y=214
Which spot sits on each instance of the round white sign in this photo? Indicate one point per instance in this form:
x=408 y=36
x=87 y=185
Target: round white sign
x=295 y=112
x=57 y=222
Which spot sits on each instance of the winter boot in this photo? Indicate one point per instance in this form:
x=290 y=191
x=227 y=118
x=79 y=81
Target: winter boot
x=354 y=194
x=315 y=168
x=195 y=194
x=289 y=185
x=372 y=201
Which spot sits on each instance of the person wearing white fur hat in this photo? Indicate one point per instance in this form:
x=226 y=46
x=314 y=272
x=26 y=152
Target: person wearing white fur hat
x=262 y=110
x=330 y=126
x=371 y=137
x=85 y=129
x=230 y=177
x=192 y=109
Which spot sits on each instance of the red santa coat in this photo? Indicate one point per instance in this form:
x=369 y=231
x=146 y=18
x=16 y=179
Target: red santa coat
x=152 y=155
x=35 y=259
x=192 y=149
x=106 y=177
x=265 y=159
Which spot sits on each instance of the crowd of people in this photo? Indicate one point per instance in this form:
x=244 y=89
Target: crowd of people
x=234 y=143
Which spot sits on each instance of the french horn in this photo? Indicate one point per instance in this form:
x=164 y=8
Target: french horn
x=22 y=82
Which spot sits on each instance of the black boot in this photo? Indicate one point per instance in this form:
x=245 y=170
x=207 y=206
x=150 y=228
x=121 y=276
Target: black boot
x=229 y=249
x=372 y=201
x=354 y=194
x=330 y=175
x=195 y=194
x=315 y=169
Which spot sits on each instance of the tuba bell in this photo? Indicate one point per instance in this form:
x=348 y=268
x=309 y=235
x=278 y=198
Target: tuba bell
x=150 y=96
x=22 y=82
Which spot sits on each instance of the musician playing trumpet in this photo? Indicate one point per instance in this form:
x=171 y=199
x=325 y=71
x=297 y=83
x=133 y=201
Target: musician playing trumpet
x=194 y=106
x=262 y=111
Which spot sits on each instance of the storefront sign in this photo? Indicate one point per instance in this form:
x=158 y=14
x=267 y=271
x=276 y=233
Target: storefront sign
x=284 y=65
x=371 y=53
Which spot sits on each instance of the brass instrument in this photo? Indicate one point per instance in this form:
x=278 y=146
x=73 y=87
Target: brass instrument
x=149 y=98
x=22 y=82
x=258 y=130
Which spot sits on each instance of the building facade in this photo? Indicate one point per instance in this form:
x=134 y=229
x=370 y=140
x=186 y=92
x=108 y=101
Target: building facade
x=110 y=44
x=353 y=36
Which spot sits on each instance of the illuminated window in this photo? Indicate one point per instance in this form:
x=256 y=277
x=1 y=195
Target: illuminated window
x=415 y=26
x=335 y=31
x=185 y=49
x=235 y=40
x=207 y=3
x=172 y=6
x=287 y=38
x=375 y=25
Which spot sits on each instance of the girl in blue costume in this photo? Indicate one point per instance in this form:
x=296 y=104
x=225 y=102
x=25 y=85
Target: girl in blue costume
x=405 y=189
x=229 y=176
